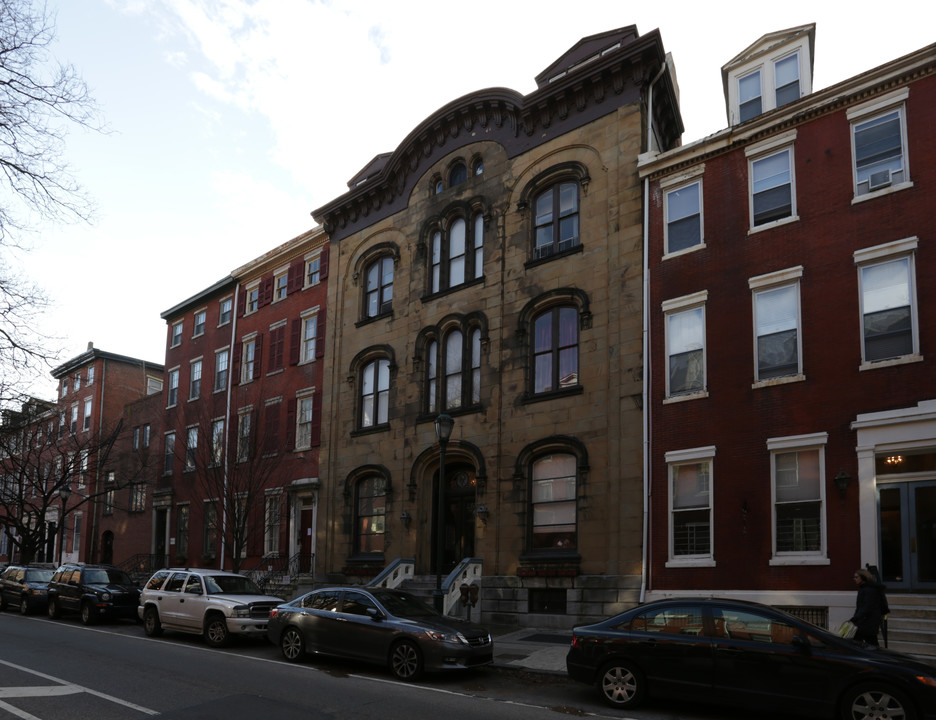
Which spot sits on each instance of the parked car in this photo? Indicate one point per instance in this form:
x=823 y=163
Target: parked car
x=377 y=625
x=96 y=592
x=212 y=603
x=749 y=655
x=25 y=587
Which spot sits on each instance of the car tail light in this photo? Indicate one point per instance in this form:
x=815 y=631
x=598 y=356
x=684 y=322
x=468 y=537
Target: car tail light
x=575 y=641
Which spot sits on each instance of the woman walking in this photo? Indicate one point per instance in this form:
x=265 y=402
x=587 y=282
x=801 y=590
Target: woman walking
x=870 y=608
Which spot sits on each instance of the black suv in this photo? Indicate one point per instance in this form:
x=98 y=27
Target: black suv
x=94 y=591
x=25 y=587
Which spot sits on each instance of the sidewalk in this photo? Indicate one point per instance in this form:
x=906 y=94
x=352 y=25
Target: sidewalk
x=536 y=649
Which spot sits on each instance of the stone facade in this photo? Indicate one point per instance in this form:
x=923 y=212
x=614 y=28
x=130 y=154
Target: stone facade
x=565 y=546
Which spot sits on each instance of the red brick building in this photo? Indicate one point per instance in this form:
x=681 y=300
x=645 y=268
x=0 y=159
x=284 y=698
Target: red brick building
x=242 y=415
x=791 y=378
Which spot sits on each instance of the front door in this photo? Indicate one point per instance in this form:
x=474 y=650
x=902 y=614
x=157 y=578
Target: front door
x=159 y=537
x=306 y=522
x=908 y=535
x=459 y=525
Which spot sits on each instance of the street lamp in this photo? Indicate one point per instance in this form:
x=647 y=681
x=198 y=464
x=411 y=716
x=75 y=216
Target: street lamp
x=64 y=493
x=443 y=425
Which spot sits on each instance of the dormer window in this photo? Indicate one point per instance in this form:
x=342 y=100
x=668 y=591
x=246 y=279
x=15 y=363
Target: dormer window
x=750 y=102
x=786 y=79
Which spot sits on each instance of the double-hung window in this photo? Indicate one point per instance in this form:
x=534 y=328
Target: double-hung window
x=554 y=504
x=86 y=421
x=199 y=328
x=191 y=447
x=787 y=79
x=224 y=311
x=797 y=466
x=248 y=363
x=378 y=291
x=750 y=101
x=272 y=522
x=195 y=377
x=777 y=348
x=217 y=441
x=555 y=350
x=879 y=143
x=460 y=377
x=772 y=186
x=556 y=219
x=370 y=514
x=685 y=344
x=309 y=333
x=304 y=407
x=173 y=388
x=457 y=253
x=168 y=453
x=375 y=393
x=176 y=339
x=683 y=211
x=222 y=361
x=690 y=493
x=886 y=277
x=280 y=286
x=313 y=269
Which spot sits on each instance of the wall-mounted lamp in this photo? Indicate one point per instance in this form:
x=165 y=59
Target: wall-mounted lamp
x=841 y=480
x=406 y=518
x=482 y=512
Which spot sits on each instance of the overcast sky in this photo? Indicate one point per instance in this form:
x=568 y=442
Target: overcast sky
x=231 y=120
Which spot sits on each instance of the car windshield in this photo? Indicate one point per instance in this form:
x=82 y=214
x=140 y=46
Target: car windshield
x=38 y=576
x=404 y=605
x=100 y=576
x=230 y=585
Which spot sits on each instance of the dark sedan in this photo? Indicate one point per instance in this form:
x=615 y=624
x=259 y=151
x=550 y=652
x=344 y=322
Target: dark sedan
x=749 y=655
x=377 y=625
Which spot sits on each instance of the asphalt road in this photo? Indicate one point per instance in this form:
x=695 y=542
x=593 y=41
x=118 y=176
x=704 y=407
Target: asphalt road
x=61 y=670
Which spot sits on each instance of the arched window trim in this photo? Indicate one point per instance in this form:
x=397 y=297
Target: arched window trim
x=470 y=212
x=467 y=325
x=458 y=451
x=356 y=381
x=351 y=483
x=570 y=171
x=361 y=267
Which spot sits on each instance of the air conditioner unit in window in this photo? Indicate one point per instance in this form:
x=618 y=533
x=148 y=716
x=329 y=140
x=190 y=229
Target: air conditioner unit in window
x=880 y=179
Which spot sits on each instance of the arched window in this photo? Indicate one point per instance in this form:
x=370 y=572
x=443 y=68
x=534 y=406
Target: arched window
x=454 y=370
x=378 y=288
x=457 y=253
x=553 y=502
x=375 y=393
x=458 y=174
x=555 y=349
x=370 y=514
x=556 y=219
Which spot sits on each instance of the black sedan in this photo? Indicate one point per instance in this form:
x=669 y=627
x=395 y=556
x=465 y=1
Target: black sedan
x=377 y=625
x=749 y=655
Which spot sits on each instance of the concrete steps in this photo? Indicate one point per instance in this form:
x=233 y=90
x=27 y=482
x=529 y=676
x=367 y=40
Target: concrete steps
x=911 y=625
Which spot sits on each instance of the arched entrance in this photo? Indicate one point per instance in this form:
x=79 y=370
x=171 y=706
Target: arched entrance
x=459 y=520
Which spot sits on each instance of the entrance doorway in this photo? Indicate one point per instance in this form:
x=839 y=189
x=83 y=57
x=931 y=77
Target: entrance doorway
x=107 y=548
x=459 y=521
x=161 y=520
x=908 y=535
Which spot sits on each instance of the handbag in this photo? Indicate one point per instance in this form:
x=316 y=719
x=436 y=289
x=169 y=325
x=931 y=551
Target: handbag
x=848 y=630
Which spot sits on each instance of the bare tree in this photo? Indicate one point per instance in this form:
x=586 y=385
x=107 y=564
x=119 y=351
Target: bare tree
x=40 y=99
x=40 y=457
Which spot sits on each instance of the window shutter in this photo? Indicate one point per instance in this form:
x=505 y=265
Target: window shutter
x=320 y=334
x=323 y=264
x=241 y=302
x=295 y=278
x=291 y=429
x=266 y=292
x=316 y=419
x=295 y=340
x=271 y=428
x=236 y=362
x=258 y=355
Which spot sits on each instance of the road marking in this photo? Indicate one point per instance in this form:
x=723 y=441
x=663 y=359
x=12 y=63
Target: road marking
x=64 y=688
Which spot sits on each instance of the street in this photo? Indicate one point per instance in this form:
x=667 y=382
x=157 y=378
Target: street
x=61 y=670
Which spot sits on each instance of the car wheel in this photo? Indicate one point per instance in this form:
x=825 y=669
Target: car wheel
x=151 y=625
x=292 y=644
x=24 y=606
x=873 y=700
x=87 y=614
x=406 y=661
x=216 y=631
x=621 y=686
x=55 y=611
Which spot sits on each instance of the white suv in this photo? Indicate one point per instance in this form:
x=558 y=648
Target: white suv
x=206 y=602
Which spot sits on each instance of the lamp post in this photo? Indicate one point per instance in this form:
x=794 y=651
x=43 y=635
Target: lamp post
x=64 y=493
x=443 y=425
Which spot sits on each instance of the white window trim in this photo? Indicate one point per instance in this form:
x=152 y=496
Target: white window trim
x=172 y=334
x=245 y=341
x=214 y=380
x=879 y=254
x=799 y=443
x=670 y=307
x=759 y=151
x=766 y=63
x=676 y=182
x=248 y=288
x=280 y=272
x=309 y=257
x=685 y=457
x=195 y=324
x=300 y=396
x=169 y=385
x=303 y=316
x=866 y=111
x=770 y=281
x=228 y=298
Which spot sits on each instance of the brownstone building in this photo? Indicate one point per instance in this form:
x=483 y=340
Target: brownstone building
x=490 y=270
x=791 y=378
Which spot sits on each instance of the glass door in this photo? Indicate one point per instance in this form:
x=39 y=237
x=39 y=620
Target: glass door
x=908 y=535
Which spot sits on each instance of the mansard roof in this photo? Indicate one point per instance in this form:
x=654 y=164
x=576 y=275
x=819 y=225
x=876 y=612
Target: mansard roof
x=595 y=77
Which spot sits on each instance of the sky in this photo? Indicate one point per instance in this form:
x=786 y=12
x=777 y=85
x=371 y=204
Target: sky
x=230 y=121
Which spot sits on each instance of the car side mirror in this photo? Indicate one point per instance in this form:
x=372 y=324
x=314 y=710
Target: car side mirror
x=375 y=614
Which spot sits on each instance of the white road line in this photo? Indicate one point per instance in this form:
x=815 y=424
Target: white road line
x=72 y=688
x=22 y=714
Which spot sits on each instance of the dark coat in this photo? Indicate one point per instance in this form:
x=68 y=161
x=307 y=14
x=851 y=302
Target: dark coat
x=870 y=609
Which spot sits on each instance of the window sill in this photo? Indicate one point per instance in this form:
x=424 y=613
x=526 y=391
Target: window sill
x=380 y=316
x=800 y=560
x=880 y=193
x=555 y=256
x=784 y=380
x=685 y=251
x=384 y=427
x=454 y=412
x=772 y=225
x=453 y=289
x=683 y=398
x=690 y=562
x=274 y=372
x=903 y=360
x=529 y=398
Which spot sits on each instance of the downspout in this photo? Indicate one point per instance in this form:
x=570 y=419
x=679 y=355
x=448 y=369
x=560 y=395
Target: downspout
x=646 y=346
x=227 y=422
x=92 y=540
